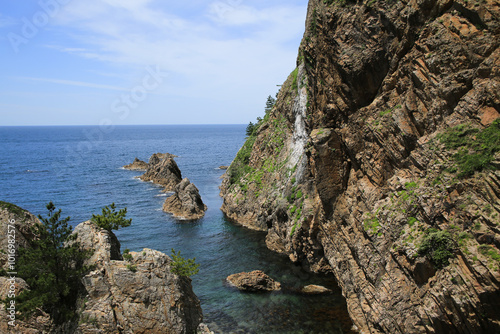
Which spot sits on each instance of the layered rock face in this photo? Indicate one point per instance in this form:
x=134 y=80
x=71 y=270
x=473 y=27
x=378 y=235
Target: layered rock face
x=186 y=202
x=376 y=148
x=162 y=169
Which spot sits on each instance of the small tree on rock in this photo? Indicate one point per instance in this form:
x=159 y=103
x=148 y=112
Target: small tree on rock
x=183 y=267
x=52 y=267
x=110 y=219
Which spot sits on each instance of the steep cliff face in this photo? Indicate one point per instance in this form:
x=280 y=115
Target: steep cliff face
x=380 y=160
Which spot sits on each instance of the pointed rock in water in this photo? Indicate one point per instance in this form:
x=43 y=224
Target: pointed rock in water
x=254 y=281
x=137 y=165
x=186 y=202
x=163 y=170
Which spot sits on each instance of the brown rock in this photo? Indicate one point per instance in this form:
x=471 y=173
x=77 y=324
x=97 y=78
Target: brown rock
x=163 y=170
x=137 y=165
x=313 y=289
x=254 y=281
x=186 y=202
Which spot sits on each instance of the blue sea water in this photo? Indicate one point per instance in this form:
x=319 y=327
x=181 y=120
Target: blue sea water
x=79 y=169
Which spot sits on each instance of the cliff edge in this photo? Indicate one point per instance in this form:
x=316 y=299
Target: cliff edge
x=379 y=162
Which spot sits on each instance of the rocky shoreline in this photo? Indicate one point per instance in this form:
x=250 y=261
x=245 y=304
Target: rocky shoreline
x=114 y=298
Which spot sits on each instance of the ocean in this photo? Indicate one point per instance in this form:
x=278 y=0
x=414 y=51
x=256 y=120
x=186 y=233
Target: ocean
x=79 y=168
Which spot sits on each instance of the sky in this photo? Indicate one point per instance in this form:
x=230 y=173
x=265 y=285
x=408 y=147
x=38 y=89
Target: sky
x=121 y=62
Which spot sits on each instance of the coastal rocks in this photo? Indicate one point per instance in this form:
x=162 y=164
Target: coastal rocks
x=139 y=295
x=254 y=281
x=162 y=169
x=137 y=165
x=186 y=202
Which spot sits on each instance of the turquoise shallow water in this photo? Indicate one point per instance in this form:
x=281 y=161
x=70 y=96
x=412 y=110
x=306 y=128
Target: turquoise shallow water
x=79 y=169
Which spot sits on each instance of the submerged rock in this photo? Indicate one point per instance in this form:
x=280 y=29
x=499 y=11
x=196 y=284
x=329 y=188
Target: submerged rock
x=314 y=289
x=137 y=165
x=162 y=169
x=186 y=202
x=254 y=281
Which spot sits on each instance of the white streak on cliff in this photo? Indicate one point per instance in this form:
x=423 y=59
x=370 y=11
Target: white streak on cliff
x=299 y=135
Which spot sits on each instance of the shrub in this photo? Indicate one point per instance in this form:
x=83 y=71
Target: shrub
x=132 y=267
x=52 y=267
x=476 y=148
x=110 y=219
x=183 y=267
x=438 y=247
x=126 y=255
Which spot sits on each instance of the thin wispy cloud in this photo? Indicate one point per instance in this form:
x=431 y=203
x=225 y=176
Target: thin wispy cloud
x=235 y=51
x=72 y=83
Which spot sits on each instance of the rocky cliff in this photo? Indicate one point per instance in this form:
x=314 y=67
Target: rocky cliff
x=136 y=295
x=379 y=162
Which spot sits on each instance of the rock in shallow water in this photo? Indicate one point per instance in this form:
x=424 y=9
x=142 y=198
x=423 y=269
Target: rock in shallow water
x=254 y=281
x=186 y=202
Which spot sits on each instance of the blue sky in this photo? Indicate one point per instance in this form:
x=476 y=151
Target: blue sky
x=76 y=62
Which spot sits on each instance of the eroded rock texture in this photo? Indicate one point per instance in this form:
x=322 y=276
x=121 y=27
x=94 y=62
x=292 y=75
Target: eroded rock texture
x=186 y=202
x=162 y=169
x=356 y=166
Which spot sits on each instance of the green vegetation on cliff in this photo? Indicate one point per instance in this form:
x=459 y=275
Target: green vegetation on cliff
x=52 y=267
x=183 y=267
x=476 y=148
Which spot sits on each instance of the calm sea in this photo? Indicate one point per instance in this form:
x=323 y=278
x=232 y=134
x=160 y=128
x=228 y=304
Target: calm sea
x=79 y=169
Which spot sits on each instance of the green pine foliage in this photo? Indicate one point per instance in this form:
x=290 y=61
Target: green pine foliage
x=110 y=219
x=183 y=267
x=52 y=267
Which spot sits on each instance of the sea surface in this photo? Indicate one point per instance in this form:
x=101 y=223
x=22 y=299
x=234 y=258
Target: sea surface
x=79 y=168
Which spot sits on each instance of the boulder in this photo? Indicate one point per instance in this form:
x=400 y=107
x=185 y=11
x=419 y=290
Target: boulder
x=186 y=202
x=137 y=165
x=254 y=281
x=314 y=289
x=139 y=295
x=162 y=169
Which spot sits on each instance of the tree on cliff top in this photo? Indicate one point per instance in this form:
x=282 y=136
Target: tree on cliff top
x=52 y=267
x=110 y=219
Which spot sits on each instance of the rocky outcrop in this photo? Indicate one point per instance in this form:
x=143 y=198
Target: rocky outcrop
x=254 y=281
x=162 y=169
x=17 y=223
x=139 y=295
x=186 y=202
x=137 y=165
x=361 y=162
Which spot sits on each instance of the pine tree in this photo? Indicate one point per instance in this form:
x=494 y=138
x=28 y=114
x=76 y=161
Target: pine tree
x=183 y=267
x=271 y=101
x=52 y=267
x=110 y=219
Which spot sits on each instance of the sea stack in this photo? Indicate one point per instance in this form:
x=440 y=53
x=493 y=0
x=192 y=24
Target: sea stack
x=162 y=169
x=186 y=202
